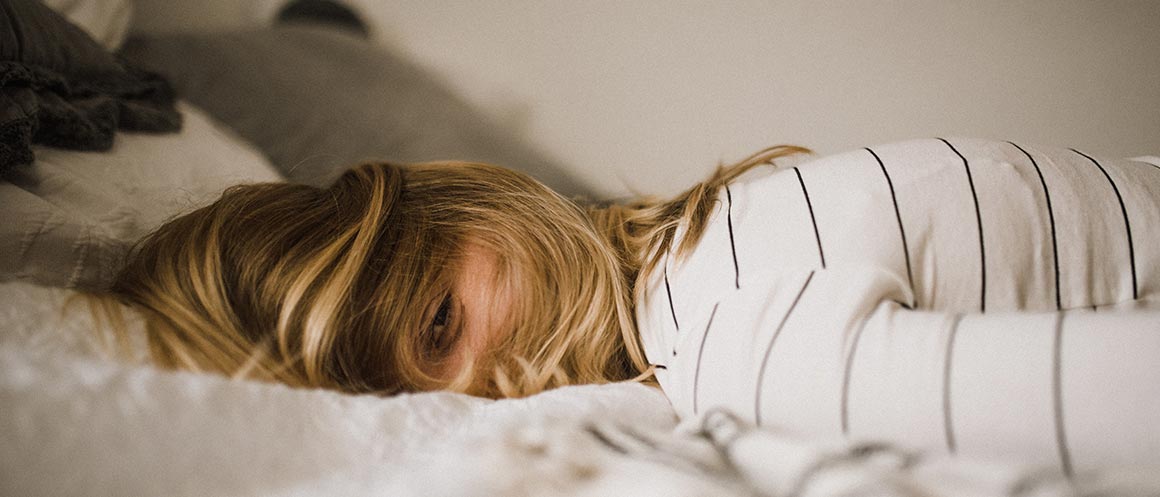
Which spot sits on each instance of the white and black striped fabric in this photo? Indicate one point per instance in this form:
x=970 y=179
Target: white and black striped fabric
x=977 y=297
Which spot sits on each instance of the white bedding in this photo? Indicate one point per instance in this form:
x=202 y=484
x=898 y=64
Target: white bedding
x=74 y=422
x=69 y=216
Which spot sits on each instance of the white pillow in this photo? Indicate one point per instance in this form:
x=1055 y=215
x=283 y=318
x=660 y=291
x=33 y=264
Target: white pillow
x=70 y=215
x=924 y=293
x=107 y=21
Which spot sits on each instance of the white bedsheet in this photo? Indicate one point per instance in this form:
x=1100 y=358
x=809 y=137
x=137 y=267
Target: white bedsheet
x=73 y=422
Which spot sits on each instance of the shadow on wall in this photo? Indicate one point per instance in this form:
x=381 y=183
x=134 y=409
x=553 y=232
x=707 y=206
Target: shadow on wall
x=650 y=96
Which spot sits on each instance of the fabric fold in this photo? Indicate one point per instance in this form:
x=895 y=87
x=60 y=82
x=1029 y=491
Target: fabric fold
x=60 y=88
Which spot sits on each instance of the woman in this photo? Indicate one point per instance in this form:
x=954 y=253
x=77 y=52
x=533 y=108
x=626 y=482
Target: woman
x=914 y=292
x=458 y=276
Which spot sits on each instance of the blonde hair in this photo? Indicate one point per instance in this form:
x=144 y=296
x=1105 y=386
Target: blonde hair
x=337 y=287
x=641 y=232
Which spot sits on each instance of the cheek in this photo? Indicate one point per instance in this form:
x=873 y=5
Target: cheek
x=487 y=312
x=485 y=305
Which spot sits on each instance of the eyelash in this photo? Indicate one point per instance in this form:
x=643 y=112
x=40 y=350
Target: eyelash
x=443 y=330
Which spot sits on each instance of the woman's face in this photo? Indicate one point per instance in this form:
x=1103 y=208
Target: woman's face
x=478 y=312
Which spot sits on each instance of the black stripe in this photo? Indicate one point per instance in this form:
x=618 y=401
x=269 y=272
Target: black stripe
x=669 y=292
x=901 y=230
x=948 y=421
x=810 y=206
x=1127 y=225
x=1051 y=219
x=769 y=349
x=732 y=245
x=846 y=377
x=1057 y=397
x=979 y=220
x=660 y=366
x=700 y=351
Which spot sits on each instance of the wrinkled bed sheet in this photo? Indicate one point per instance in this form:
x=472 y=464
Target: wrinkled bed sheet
x=73 y=421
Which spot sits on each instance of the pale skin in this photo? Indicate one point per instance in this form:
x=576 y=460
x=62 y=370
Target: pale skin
x=478 y=311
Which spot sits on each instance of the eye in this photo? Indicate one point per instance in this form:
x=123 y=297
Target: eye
x=443 y=331
x=443 y=315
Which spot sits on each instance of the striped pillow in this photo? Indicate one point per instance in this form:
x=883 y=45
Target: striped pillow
x=976 y=297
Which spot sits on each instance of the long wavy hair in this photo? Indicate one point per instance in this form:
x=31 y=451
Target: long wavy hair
x=337 y=287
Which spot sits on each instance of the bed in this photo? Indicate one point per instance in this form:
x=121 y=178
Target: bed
x=76 y=419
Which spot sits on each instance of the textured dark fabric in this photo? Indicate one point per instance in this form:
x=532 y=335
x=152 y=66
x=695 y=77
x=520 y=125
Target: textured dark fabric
x=317 y=99
x=58 y=87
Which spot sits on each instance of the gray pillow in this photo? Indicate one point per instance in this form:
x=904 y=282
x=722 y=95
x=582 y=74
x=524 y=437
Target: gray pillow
x=317 y=100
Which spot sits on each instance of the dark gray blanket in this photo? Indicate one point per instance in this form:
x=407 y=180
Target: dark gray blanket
x=59 y=87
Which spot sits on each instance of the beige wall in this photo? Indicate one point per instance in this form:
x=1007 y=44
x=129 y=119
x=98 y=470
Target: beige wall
x=651 y=94
x=648 y=96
